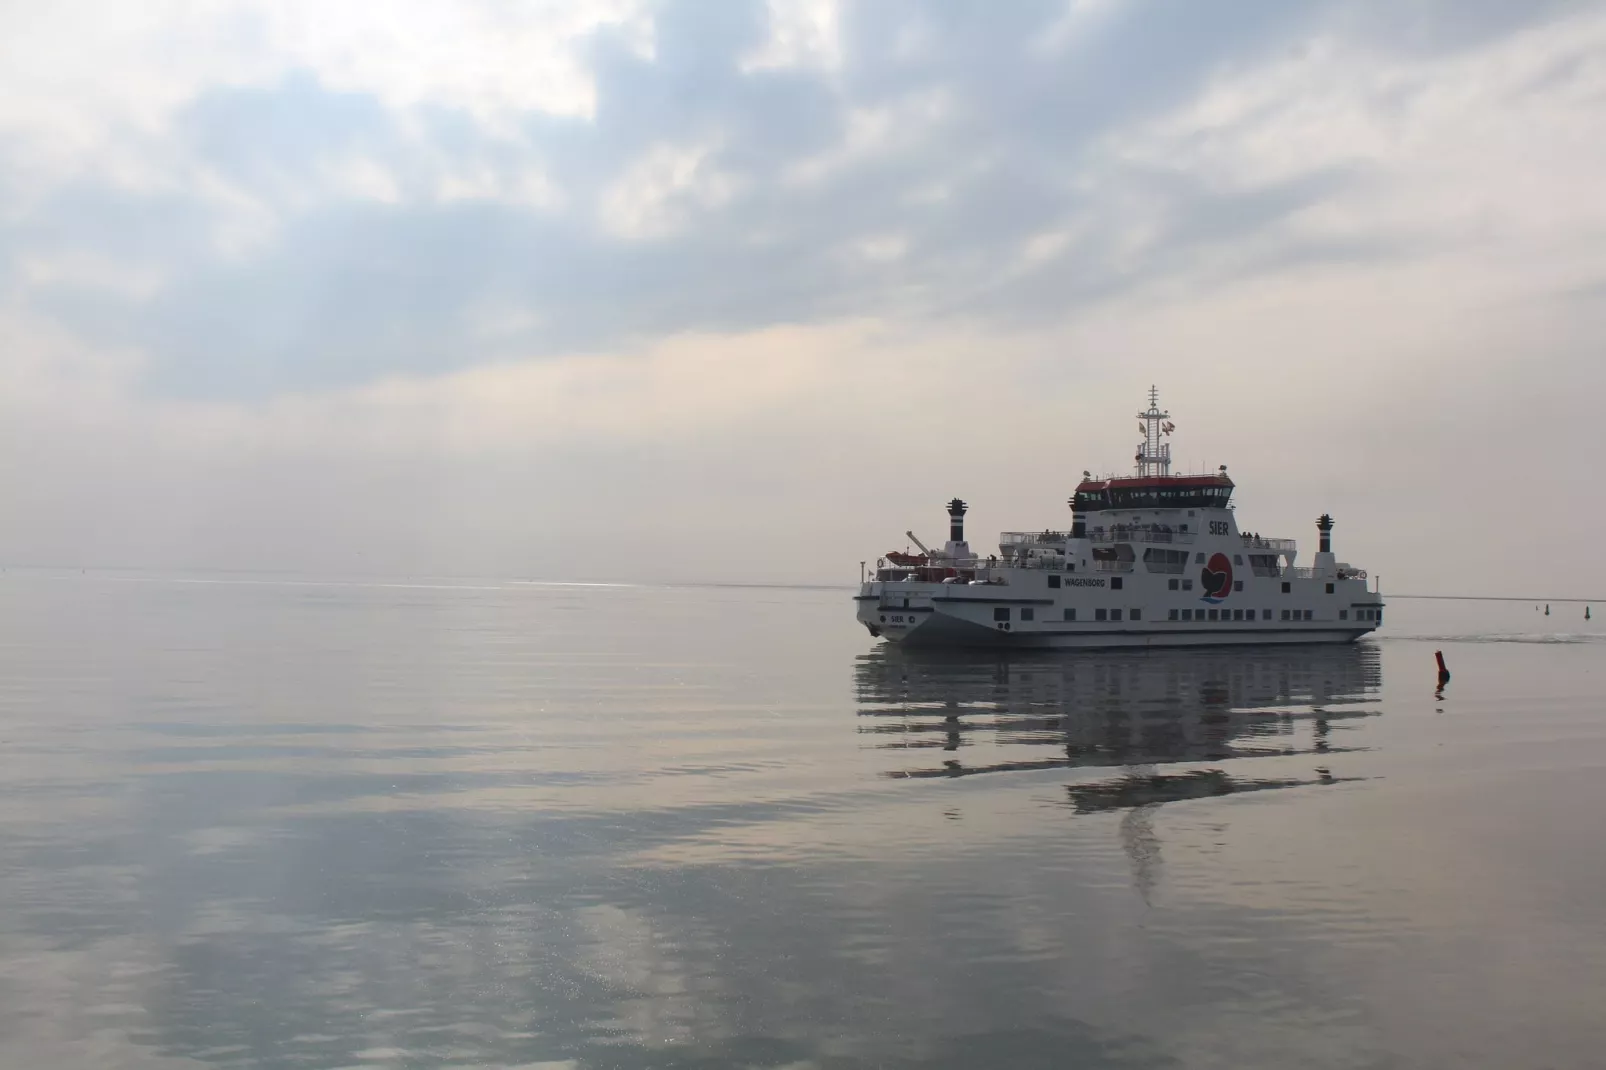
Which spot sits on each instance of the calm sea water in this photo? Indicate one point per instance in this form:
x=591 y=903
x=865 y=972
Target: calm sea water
x=256 y=822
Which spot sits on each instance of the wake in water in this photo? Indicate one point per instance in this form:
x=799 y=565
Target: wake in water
x=1501 y=637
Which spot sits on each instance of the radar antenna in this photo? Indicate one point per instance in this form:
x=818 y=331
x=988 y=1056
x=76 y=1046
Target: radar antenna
x=1154 y=455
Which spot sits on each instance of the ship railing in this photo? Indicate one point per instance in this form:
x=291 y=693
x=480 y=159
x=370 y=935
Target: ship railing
x=990 y=569
x=1302 y=573
x=1028 y=539
x=1106 y=535
x=1276 y=546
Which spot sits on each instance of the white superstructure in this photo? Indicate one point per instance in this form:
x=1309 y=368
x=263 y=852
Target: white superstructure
x=1152 y=559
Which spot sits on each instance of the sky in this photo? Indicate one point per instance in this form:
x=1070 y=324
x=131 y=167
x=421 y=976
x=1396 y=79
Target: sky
x=741 y=291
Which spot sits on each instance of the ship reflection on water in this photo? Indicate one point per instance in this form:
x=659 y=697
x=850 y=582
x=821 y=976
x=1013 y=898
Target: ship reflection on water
x=953 y=714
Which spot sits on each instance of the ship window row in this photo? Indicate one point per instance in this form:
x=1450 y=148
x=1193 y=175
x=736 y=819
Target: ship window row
x=1187 y=585
x=1141 y=497
x=1218 y=614
x=1162 y=561
x=1237 y=559
x=1029 y=613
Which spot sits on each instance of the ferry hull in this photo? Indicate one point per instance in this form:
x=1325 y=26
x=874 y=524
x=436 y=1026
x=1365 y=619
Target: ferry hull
x=934 y=627
x=971 y=636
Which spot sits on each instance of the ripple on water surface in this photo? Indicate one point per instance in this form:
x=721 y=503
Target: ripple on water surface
x=494 y=822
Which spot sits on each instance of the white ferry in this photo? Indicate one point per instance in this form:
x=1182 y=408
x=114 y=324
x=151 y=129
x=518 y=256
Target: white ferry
x=1152 y=559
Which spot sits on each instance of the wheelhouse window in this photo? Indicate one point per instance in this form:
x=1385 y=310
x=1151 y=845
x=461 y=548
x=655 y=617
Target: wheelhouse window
x=1088 y=500
x=1157 y=559
x=1264 y=565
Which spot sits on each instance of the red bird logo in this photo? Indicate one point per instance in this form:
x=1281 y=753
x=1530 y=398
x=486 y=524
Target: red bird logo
x=1216 y=578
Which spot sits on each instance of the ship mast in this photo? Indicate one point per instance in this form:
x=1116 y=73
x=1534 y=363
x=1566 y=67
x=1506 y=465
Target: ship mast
x=1154 y=455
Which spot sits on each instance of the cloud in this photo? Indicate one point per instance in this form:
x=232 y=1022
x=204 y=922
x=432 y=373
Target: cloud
x=745 y=254
x=360 y=220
